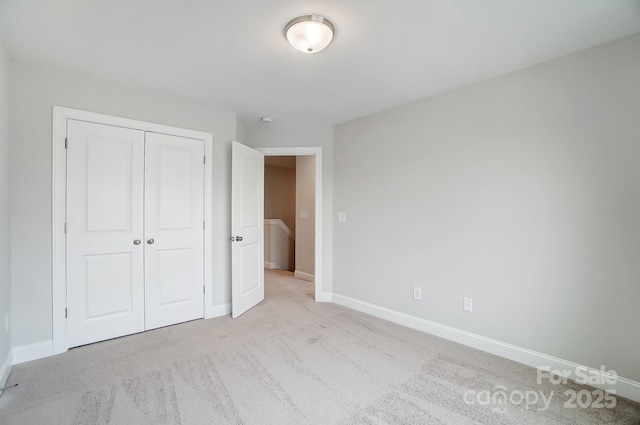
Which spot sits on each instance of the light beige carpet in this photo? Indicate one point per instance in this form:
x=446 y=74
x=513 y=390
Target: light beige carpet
x=287 y=361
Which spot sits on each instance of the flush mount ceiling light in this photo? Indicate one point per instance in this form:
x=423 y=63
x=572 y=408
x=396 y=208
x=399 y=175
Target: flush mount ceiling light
x=309 y=33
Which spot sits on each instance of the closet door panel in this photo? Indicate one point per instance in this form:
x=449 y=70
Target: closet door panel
x=174 y=236
x=105 y=276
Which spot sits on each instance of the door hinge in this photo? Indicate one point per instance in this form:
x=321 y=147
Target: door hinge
x=66 y=142
x=203 y=224
x=65 y=312
x=65 y=228
x=203 y=290
x=205 y=160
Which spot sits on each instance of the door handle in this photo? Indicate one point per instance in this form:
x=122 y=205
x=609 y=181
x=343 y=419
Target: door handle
x=136 y=241
x=150 y=241
x=239 y=238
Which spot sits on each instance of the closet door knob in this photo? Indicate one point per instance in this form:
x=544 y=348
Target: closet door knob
x=136 y=241
x=150 y=241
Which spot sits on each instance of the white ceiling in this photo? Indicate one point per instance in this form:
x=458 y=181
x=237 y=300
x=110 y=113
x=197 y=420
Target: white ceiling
x=233 y=54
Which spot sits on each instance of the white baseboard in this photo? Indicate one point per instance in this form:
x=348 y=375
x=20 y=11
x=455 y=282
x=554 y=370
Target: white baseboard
x=269 y=266
x=623 y=387
x=324 y=297
x=218 y=311
x=5 y=370
x=304 y=276
x=26 y=353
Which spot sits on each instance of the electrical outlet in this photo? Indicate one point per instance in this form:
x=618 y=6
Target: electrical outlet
x=6 y=323
x=467 y=304
x=417 y=293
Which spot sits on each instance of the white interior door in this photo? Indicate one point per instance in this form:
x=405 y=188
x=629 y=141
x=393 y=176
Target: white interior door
x=105 y=270
x=247 y=222
x=174 y=235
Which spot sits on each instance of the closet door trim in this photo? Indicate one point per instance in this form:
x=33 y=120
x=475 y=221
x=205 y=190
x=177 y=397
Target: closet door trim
x=58 y=208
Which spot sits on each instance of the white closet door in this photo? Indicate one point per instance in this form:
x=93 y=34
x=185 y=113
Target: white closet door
x=174 y=236
x=105 y=270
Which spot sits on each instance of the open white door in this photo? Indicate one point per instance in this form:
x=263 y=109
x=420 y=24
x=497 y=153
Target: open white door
x=247 y=233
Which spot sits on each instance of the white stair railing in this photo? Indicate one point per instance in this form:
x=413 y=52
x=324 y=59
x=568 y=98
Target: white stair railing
x=279 y=245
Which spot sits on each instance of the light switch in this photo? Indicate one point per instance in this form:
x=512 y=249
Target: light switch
x=303 y=215
x=342 y=217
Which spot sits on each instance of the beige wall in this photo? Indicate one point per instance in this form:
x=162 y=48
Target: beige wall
x=521 y=192
x=305 y=204
x=5 y=213
x=34 y=91
x=280 y=194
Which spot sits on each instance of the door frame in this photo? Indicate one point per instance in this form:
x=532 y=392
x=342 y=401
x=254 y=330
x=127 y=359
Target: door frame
x=58 y=207
x=319 y=294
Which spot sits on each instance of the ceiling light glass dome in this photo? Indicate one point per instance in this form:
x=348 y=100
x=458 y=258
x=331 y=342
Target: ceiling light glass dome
x=309 y=33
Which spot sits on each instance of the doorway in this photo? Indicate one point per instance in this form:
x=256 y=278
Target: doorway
x=289 y=214
x=314 y=153
x=247 y=223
